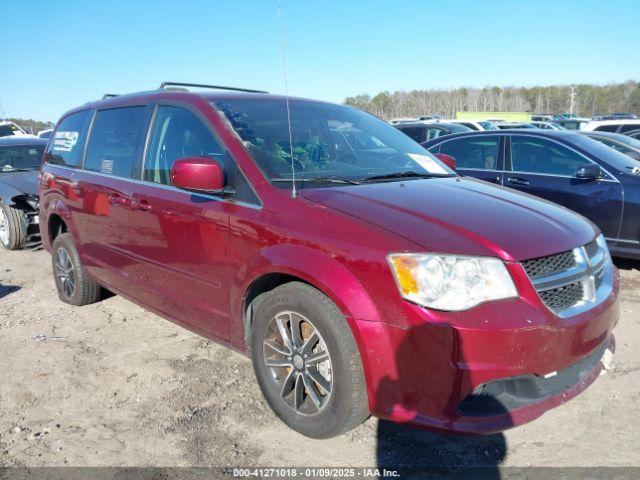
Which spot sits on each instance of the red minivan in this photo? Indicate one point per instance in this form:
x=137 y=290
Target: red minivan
x=360 y=273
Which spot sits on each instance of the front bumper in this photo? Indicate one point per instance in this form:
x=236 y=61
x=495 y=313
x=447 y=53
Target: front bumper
x=423 y=373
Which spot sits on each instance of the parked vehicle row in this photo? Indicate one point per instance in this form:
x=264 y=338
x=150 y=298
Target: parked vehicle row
x=360 y=273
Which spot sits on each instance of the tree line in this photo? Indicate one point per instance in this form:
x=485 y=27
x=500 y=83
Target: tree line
x=30 y=125
x=584 y=100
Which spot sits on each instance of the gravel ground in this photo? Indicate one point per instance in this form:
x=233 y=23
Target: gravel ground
x=113 y=385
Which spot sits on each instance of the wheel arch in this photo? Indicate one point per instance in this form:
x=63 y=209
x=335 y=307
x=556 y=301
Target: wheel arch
x=274 y=266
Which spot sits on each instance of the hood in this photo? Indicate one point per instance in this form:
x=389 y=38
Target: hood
x=462 y=216
x=20 y=182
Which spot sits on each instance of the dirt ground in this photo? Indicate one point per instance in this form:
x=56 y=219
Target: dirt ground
x=113 y=385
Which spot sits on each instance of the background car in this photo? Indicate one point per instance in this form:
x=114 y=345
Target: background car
x=20 y=158
x=622 y=143
x=425 y=131
x=8 y=129
x=613 y=126
x=547 y=125
x=564 y=167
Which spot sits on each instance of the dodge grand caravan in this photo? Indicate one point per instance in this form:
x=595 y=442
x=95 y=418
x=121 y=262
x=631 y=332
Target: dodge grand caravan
x=360 y=274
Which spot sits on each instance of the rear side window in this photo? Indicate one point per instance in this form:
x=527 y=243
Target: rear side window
x=538 y=155
x=607 y=128
x=177 y=133
x=116 y=139
x=67 y=145
x=416 y=133
x=477 y=152
x=628 y=128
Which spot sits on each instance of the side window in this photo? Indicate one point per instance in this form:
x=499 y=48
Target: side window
x=538 y=155
x=434 y=133
x=628 y=128
x=177 y=133
x=416 y=133
x=607 y=128
x=67 y=145
x=116 y=140
x=477 y=152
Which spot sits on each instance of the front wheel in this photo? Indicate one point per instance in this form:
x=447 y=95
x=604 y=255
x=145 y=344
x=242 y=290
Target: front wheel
x=307 y=362
x=13 y=227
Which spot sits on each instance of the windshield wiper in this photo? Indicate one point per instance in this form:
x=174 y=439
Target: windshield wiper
x=323 y=179
x=409 y=174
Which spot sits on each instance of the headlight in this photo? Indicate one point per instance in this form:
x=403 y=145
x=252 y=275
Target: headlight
x=602 y=243
x=450 y=282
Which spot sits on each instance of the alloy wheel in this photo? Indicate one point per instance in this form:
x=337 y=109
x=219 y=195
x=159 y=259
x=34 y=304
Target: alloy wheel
x=299 y=362
x=65 y=273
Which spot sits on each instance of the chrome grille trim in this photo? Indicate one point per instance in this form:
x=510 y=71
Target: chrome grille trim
x=591 y=273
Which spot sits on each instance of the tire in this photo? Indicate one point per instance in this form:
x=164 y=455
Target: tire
x=65 y=258
x=13 y=227
x=341 y=389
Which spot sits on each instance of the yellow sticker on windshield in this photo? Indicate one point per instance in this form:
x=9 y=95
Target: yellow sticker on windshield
x=428 y=163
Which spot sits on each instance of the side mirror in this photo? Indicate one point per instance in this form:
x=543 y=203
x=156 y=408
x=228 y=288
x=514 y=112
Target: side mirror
x=590 y=171
x=448 y=160
x=201 y=174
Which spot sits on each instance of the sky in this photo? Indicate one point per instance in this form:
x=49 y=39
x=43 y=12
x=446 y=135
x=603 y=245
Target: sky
x=56 y=55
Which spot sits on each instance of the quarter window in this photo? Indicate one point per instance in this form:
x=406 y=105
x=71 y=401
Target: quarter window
x=67 y=145
x=177 y=133
x=537 y=155
x=477 y=152
x=116 y=139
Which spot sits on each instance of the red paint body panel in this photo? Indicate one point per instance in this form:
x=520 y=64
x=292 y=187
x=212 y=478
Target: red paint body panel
x=192 y=259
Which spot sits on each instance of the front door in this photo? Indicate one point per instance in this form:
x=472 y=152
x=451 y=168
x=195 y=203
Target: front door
x=546 y=168
x=181 y=237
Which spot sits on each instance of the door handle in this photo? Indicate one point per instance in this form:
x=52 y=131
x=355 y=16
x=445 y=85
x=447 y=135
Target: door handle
x=517 y=181
x=140 y=204
x=118 y=200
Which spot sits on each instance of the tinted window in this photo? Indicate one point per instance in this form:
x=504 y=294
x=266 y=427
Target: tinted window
x=538 y=155
x=177 y=133
x=20 y=156
x=416 y=133
x=612 y=157
x=67 y=145
x=10 y=129
x=116 y=138
x=470 y=125
x=433 y=132
x=628 y=128
x=477 y=152
x=606 y=128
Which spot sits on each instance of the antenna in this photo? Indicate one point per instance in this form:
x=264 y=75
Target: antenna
x=294 y=192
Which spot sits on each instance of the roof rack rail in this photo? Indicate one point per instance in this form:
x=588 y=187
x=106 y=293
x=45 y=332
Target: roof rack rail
x=110 y=95
x=164 y=85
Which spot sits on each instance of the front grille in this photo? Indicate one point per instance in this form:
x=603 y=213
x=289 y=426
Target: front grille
x=572 y=281
x=549 y=265
x=592 y=248
x=561 y=298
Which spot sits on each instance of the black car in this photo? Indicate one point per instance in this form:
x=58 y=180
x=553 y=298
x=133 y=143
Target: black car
x=564 y=167
x=422 y=132
x=20 y=159
x=623 y=143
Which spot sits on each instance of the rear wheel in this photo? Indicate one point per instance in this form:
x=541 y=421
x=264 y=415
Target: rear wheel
x=71 y=281
x=307 y=363
x=13 y=227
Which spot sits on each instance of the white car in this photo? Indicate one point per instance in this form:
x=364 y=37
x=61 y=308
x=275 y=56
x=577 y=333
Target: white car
x=613 y=126
x=9 y=128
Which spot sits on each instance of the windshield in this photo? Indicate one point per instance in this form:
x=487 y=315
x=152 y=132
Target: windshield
x=329 y=142
x=19 y=157
x=618 y=160
x=489 y=125
x=9 y=129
